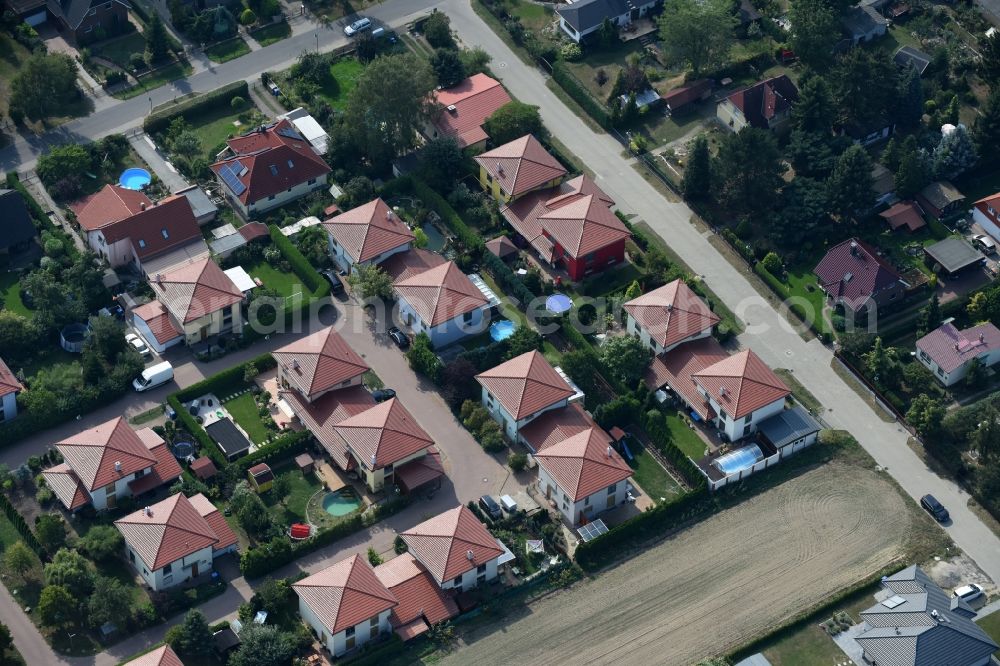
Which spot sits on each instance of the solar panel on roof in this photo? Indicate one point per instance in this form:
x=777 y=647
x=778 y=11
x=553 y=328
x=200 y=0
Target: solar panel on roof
x=231 y=179
x=290 y=133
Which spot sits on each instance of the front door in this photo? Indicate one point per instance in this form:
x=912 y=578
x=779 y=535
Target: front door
x=611 y=501
x=112 y=500
x=194 y=570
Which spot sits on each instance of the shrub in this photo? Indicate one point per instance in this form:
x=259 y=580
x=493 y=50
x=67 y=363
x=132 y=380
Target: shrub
x=568 y=82
x=571 y=51
x=772 y=263
x=517 y=461
x=237 y=103
x=299 y=264
x=247 y=17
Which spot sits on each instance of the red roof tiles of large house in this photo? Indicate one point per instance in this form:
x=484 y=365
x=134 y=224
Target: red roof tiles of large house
x=584 y=463
x=853 y=272
x=419 y=596
x=741 y=384
x=345 y=594
x=369 y=230
x=158 y=228
x=158 y=321
x=403 y=265
x=451 y=543
x=764 y=100
x=384 y=434
x=169 y=530
x=8 y=382
x=110 y=204
x=161 y=656
x=473 y=100
x=195 y=290
x=521 y=165
x=440 y=294
x=677 y=367
x=322 y=414
x=320 y=361
x=556 y=425
x=525 y=384
x=105 y=453
x=672 y=313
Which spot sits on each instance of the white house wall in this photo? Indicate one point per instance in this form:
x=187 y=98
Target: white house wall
x=180 y=570
x=99 y=498
x=337 y=643
x=988 y=225
x=147 y=335
x=471 y=578
x=735 y=429
x=445 y=333
x=8 y=407
x=589 y=506
x=988 y=359
x=510 y=426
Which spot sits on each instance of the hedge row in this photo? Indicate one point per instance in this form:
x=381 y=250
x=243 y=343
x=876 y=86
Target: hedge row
x=466 y=236
x=223 y=383
x=284 y=446
x=30 y=422
x=22 y=527
x=573 y=88
x=510 y=283
x=189 y=109
x=656 y=426
x=280 y=551
x=188 y=423
x=312 y=280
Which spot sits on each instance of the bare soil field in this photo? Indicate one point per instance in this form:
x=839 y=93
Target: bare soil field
x=717 y=585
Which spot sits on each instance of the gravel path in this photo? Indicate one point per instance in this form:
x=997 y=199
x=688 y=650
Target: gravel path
x=717 y=585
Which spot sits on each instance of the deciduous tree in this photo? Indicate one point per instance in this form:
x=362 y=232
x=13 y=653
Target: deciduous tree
x=626 y=358
x=815 y=30
x=72 y=571
x=512 y=121
x=102 y=542
x=371 y=282
x=19 y=559
x=57 y=608
x=697 y=33
x=45 y=86
x=441 y=163
x=697 y=183
x=448 y=67
x=109 y=602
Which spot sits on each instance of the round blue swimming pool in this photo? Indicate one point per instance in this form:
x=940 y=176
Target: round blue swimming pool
x=501 y=330
x=134 y=178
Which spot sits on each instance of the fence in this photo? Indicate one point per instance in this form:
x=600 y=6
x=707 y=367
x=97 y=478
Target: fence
x=759 y=466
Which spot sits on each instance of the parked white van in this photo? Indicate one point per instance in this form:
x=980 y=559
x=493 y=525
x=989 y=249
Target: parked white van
x=153 y=376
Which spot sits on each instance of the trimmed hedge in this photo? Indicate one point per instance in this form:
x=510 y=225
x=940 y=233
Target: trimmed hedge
x=223 y=383
x=776 y=285
x=289 y=444
x=510 y=283
x=22 y=527
x=568 y=82
x=315 y=282
x=435 y=201
x=188 y=422
x=190 y=109
x=655 y=425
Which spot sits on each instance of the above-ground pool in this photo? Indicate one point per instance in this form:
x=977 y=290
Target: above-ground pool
x=738 y=460
x=134 y=178
x=501 y=330
x=341 y=502
x=558 y=303
x=73 y=337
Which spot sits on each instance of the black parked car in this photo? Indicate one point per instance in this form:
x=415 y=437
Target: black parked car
x=399 y=338
x=336 y=286
x=934 y=508
x=490 y=507
x=381 y=395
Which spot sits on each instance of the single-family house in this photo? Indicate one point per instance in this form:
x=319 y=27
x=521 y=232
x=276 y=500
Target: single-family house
x=443 y=303
x=583 y=475
x=201 y=300
x=514 y=169
x=317 y=364
x=161 y=656
x=9 y=388
x=766 y=105
x=421 y=601
x=17 y=228
x=90 y=20
x=308 y=128
x=367 y=235
x=460 y=111
x=940 y=199
x=269 y=167
x=554 y=426
x=904 y=214
x=853 y=275
x=949 y=352
x=916 y=623
x=455 y=548
x=669 y=316
x=345 y=605
x=863 y=23
x=153 y=322
x=953 y=255
x=381 y=440
x=570 y=226
x=126 y=228
x=907 y=56
x=108 y=462
x=521 y=389
x=175 y=540
x=585 y=17
x=986 y=213
x=868 y=131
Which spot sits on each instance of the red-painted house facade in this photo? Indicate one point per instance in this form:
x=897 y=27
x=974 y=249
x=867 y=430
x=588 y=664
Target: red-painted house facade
x=593 y=262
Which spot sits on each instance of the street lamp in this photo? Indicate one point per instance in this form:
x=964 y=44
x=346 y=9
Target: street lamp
x=151 y=104
x=317 y=42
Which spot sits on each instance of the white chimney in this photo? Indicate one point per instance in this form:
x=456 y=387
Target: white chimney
x=295 y=364
x=499 y=169
x=142 y=206
x=148 y=511
x=469 y=554
x=373 y=461
x=118 y=466
x=854 y=247
x=722 y=391
x=159 y=278
x=609 y=450
x=389 y=215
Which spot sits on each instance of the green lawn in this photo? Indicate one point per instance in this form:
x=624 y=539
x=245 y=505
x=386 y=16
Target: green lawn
x=213 y=128
x=650 y=475
x=686 y=439
x=119 y=49
x=286 y=284
x=51 y=358
x=301 y=488
x=343 y=77
x=273 y=33
x=12 y=55
x=803 y=286
x=10 y=294
x=991 y=625
x=162 y=76
x=228 y=50
x=610 y=60
x=533 y=17
x=245 y=413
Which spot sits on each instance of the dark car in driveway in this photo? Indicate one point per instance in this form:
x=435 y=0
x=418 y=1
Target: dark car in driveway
x=336 y=285
x=399 y=338
x=383 y=394
x=935 y=508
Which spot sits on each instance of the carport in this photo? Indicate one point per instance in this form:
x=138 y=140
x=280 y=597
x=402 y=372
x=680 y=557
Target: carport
x=953 y=255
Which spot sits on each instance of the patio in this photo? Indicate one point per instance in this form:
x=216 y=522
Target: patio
x=280 y=410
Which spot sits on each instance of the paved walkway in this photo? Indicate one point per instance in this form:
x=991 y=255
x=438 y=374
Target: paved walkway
x=147 y=150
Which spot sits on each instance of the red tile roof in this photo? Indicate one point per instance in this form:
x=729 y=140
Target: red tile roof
x=525 y=384
x=676 y=367
x=764 y=100
x=253 y=230
x=164 y=471
x=440 y=294
x=345 y=594
x=419 y=596
x=904 y=214
x=320 y=361
x=158 y=229
x=443 y=543
x=383 y=434
x=416 y=473
x=194 y=290
x=172 y=529
x=326 y=411
x=367 y=231
x=853 y=272
x=521 y=165
x=683 y=95
x=8 y=382
x=159 y=322
x=672 y=313
x=501 y=246
x=951 y=348
x=403 y=265
x=741 y=384
x=475 y=99
x=110 y=204
x=276 y=157
x=161 y=656
x=556 y=425
x=204 y=468
x=66 y=486
x=93 y=454
x=216 y=521
x=584 y=463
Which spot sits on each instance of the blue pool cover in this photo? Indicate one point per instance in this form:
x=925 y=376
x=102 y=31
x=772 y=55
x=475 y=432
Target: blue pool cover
x=134 y=178
x=558 y=303
x=738 y=460
x=502 y=330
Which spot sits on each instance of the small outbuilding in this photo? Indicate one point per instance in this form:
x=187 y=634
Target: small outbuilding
x=907 y=56
x=232 y=442
x=940 y=199
x=305 y=463
x=953 y=255
x=261 y=477
x=204 y=468
x=906 y=215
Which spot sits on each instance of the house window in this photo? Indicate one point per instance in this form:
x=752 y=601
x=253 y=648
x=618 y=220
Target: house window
x=924 y=356
x=457 y=581
x=350 y=632
x=611 y=488
x=165 y=233
x=142 y=243
x=481 y=569
x=271 y=198
x=131 y=557
x=168 y=569
x=589 y=258
x=586 y=501
x=374 y=627
x=312 y=181
x=722 y=415
x=467 y=318
x=746 y=429
x=346 y=382
x=140 y=473
x=349 y=644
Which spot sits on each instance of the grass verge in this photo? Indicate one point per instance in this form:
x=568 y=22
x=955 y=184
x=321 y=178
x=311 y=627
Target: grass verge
x=228 y=50
x=273 y=33
x=801 y=393
x=245 y=413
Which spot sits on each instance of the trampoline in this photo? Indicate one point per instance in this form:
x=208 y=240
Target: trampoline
x=558 y=303
x=134 y=178
x=183 y=449
x=501 y=330
x=739 y=460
